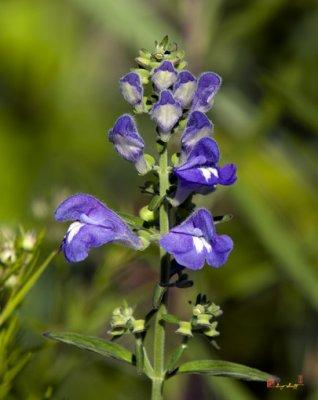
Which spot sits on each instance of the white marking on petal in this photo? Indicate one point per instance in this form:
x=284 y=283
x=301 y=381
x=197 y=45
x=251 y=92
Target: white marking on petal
x=164 y=79
x=126 y=149
x=185 y=93
x=130 y=93
x=197 y=136
x=208 y=172
x=200 y=243
x=167 y=115
x=73 y=230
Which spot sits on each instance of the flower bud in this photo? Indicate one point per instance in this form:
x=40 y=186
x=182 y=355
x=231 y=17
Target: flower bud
x=184 y=88
x=164 y=76
x=166 y=113
x=211 y=330
x=208 y=85
x=131 y=88
x=28 y=241
x=214 y=310
x=184 y=328
x=8 y=256
x=146 y=214
x=118 y=321
x=138 y=326
x=198 y=309
x=128 y=143
x=203 y=319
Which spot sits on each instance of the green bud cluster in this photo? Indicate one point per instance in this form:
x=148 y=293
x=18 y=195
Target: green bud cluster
x=123 y=321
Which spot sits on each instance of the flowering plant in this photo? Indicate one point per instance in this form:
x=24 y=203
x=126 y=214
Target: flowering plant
x=187 y=237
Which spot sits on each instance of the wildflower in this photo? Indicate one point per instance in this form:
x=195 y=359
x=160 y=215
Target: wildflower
x=131 y=88
x=200 y=172
x=195 y=241
x=94 y=225
x=208 y=85
x=184 y=88
x=166 y=112
x=128 y=143
x=164 y=76
x=198 y=126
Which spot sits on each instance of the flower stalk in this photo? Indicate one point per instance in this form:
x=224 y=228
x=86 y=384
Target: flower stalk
x=159 y=328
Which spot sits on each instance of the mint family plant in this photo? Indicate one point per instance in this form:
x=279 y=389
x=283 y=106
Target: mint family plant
x=177 y=102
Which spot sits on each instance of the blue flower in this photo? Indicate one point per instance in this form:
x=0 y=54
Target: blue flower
x=184 y=88
x=208 y=85
x=94 y=225
x=164 y=76
x=198 y=126
x=166 y=112
x=128 y=143
x=195 y=241
x=131 y=88
x=201 y=173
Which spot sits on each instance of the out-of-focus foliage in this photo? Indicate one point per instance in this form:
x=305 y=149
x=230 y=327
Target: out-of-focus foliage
x=60 y=64
x=19 y=271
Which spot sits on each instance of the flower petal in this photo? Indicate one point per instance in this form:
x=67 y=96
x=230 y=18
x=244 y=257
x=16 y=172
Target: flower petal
x=80 y=238
x=227 y=174
x=184 y=88
x=221 y=248
x=208 y=85
x=86 y=209
x=128 y=143
x=164 y=76
x=198 y=126
x=131 y=88
x=166 y=112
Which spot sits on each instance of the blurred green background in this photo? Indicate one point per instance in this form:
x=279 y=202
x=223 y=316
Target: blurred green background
x=60 y=62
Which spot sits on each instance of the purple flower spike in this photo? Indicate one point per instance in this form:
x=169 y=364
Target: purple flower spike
x=131 y=88
x=195 y=241
x=198 y=126
x=128 y=143
x=164 y=76
x=94 y=225
x=200 y=173
x=166 y=112
x=208 y=85
x=184 y=88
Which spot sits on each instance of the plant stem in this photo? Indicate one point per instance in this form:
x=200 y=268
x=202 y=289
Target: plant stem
x=159 y=330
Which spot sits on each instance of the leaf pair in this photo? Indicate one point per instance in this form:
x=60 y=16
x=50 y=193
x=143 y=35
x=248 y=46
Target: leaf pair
x=118 y=352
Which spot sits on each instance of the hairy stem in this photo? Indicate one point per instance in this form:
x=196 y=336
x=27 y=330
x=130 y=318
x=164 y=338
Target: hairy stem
x=159 y=333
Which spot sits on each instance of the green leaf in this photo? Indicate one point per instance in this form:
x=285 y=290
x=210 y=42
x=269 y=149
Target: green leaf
x=155 y=202
x=170 y=318
x=94 y=344
x=223 y=368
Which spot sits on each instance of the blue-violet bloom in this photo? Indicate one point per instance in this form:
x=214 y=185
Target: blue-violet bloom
x=94 y=225
x=201 y=173
x=198 y=126
x=166 y=112
x=184 y=88
x=131 y=88
x=195 y=241
x=208 y=85
x=128 y=142
x=164 y=76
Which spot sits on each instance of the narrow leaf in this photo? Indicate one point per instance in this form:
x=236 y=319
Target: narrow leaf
x=223 y=368
x=170 y=318
x=94 y=344
x=19 y=296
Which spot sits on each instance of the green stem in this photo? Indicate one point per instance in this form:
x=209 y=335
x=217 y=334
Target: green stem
x=159 y=330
